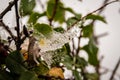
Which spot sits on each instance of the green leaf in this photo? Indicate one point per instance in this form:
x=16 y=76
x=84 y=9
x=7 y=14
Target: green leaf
x=78 y=16
x=69 y=10
x=87 y=31
x=80 y=62
x=96 y=17
x=92 y=76
x=68 y=62
x=17 y=56
x=68 y=48
x=44 y=29
x=76 y=75
x=5 y=76
x=60 y=12
x=14 y=63
x=26 y=7
x=34 y=17
x=59 y=29
x=92 y=50
x=28 y=75
x=71 y=21
x=41 y=69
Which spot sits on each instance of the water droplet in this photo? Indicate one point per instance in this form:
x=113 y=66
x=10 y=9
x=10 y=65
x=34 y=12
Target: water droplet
x=57 y=40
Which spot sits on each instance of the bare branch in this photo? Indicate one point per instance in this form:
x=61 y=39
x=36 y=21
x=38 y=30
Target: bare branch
x=81 y=19
x=18 y=44
x=8 y=8
x=7 y=29
x=115 y=69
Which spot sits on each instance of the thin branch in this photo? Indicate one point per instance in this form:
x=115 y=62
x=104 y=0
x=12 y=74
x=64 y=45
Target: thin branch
x=105 y=1
x=79 y=40
x=54 y=11
x=8 y=8
x=18 y=44
x=96 y=38
x=7 y=29
x=115 y=69
x=102 y=35
x=106 y=70
x=73 y=46
x=81 y=19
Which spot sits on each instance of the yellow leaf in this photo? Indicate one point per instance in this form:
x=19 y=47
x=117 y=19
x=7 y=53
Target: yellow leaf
x=24 y=53
x=56 y=72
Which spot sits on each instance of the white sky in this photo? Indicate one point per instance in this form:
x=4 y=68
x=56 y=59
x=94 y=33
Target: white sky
x=110 y=44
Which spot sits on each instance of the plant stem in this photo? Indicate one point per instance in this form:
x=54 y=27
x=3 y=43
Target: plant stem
x=115 y=69
x=81 y=19
x=7 y=29
x=8 y=8
x=18 y=43
x=54 y=11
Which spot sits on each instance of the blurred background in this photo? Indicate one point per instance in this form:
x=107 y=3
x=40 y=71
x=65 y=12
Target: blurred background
x=109 y=45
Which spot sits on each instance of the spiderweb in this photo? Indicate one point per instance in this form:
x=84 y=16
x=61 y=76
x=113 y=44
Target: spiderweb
x=56 y=41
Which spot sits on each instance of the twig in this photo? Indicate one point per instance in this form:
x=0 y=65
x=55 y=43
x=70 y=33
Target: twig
x=79 y=40
x=105 y=1
x=54 y=11
x=18 y=44
x=115 y=69
x=102 y=35
x=73 y=46
x=7 y=29
x=81 y=19
x=106 y=70
x=8 y=8
x=96 y=39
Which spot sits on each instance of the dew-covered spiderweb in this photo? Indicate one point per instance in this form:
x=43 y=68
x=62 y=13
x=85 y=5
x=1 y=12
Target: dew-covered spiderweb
x=56 y=41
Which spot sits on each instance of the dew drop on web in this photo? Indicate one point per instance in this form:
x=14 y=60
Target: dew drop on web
x=47 y=57
x=57 y=40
